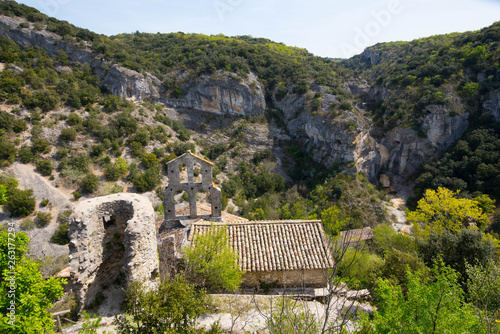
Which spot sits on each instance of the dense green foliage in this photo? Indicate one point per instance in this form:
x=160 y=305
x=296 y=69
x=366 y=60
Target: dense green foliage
x=471 y=165
x=429 y=306
x=421 y=73
x=22 y=283
x=441 y=210
x=211 y=262
x=20 y=203
x=171 y=308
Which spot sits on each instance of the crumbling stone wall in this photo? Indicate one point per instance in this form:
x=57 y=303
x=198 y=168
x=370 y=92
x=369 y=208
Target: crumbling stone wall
x=113 y=242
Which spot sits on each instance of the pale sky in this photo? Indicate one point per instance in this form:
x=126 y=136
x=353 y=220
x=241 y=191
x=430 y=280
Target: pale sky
x=329 y=28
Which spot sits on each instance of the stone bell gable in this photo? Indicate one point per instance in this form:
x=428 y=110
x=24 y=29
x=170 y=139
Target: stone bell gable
x=191 y=187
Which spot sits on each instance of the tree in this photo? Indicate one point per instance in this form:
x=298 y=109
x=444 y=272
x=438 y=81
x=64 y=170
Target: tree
x=32 y=295
x=211 y=262
x=457 y=249
x=68 y=134
x=434 y=305
x=171 y=308
x=484 y=293
x=332 y=220
x=441 y=210
x=7 y=151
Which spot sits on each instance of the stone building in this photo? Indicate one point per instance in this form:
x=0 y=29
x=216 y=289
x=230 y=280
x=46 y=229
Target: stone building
x=285 y=253
x=113 y=243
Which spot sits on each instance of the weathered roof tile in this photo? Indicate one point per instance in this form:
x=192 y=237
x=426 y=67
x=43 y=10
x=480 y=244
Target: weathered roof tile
x=276 y=245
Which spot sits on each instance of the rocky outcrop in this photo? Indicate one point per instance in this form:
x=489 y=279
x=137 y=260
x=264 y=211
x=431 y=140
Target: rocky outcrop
x=130 y=84
x=407 y=151
x=50 y=42
x=331 y=141
x=217 y=94
x=113 y=243
x=492 y=104
x=221 y=94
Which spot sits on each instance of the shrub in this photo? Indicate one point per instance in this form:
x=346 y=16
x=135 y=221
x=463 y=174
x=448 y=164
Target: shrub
x=63 y=217
x=89 y=183
x=27 y=224
x=74 y=119
x=68 y=134
x=45 y=167
x=7 y=151
x=60 y=236
x=34 y=295
x=173 y=307
x=76 y=195
x=148 y=180
x=44 y=202
x=40 y=145
x=20 y=203
x=42 y=219
x=25 y=155
x=149 y=160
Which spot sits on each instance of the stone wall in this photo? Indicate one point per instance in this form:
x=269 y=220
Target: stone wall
x=113 y=243
x=316 y=278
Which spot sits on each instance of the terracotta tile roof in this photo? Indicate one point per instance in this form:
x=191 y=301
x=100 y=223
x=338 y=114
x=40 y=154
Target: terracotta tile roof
x=276 y=245
x=361 y=234
x=205 y=209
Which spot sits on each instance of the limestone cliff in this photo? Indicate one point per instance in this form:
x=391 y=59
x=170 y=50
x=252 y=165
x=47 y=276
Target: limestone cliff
x=346 y=138
x=492 y=104
x=221 y=94
x=342 y=140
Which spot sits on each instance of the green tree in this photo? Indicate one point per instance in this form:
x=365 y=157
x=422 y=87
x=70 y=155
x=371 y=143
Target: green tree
x=483 y=288
x=457 y=249
x=385 y=239
x=33 y=295
x=171 y=308
x=430 y=305
x=441 y=210
x=333 y=220
x=211 y=262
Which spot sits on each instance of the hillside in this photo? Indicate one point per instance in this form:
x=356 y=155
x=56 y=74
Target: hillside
x=291 y=136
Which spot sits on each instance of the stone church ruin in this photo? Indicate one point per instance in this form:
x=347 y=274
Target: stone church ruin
x=114 y=239
x=113 y=243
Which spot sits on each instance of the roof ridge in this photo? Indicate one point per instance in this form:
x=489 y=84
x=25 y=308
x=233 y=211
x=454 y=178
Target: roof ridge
x=261 y=222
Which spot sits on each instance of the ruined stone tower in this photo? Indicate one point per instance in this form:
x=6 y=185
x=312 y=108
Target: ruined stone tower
x=191 y=187
x=113 y=243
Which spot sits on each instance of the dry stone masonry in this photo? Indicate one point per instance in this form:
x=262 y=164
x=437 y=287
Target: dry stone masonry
x=113 y=243
x=191 y=188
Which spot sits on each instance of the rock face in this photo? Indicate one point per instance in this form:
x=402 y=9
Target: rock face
x=492 y=104
x=347 y=140
x=50 y=42
x=130 y=84
x=222 y=95
x=113 y=243
x=331 y=141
